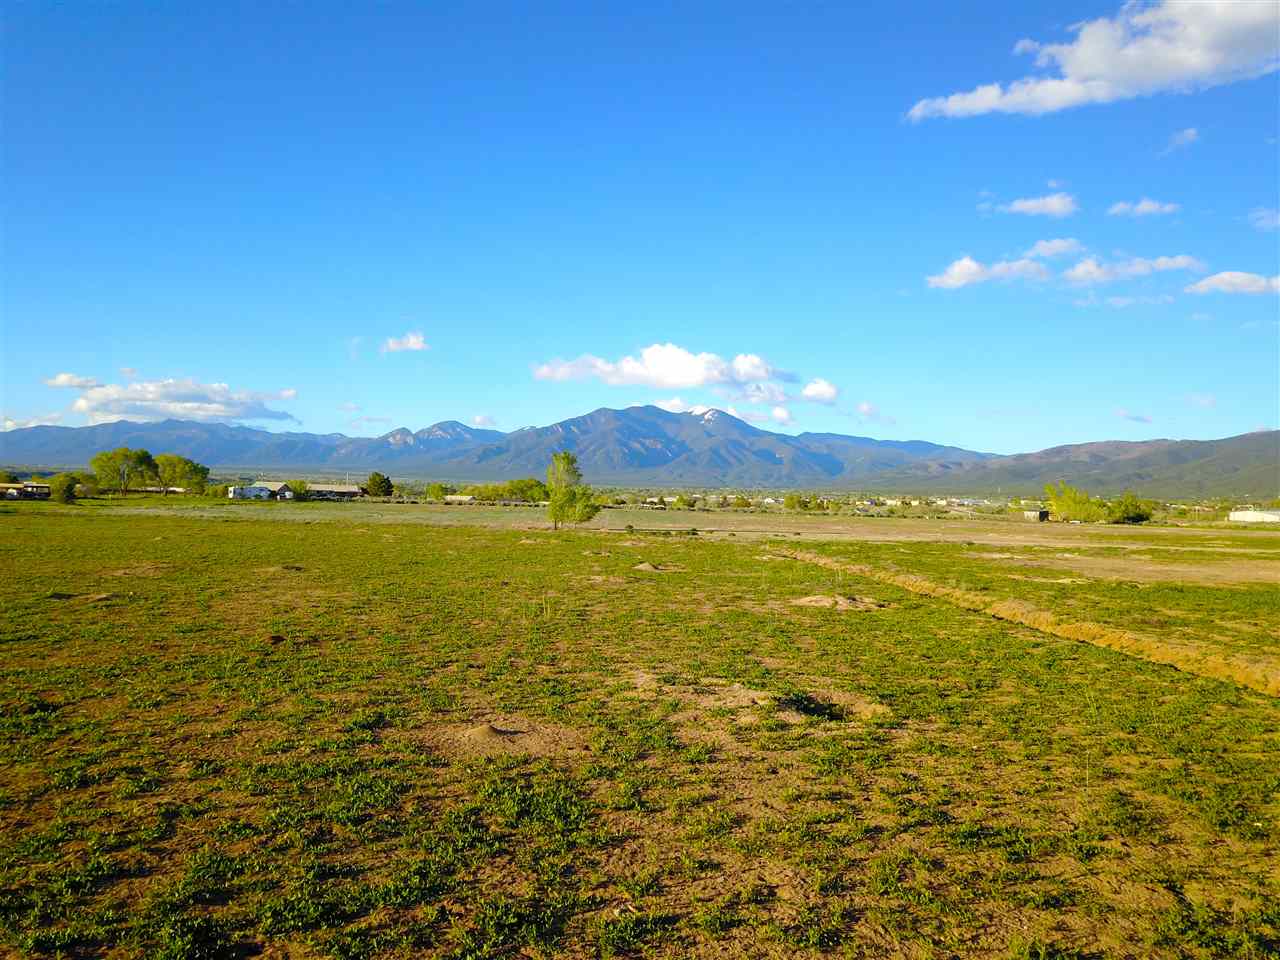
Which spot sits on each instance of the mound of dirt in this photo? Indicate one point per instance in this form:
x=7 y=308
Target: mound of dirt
x=504 y=735
x=839 y=603
x=647 y=567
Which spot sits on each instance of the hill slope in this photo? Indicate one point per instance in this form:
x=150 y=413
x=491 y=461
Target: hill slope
x=648 y=445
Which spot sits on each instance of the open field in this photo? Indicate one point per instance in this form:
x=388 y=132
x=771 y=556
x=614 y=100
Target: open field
x=308 y=730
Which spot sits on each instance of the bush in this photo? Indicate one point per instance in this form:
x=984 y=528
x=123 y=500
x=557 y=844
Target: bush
x=62 y=487
x=1129 y=509
x=378 y=485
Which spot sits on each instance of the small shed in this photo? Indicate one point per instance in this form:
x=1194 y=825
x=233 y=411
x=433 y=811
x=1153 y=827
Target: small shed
x=1040 y=516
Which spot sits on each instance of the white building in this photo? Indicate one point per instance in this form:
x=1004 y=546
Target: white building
x=1254 y=516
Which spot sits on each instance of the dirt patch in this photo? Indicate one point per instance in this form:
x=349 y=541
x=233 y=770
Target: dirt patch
x=530 y=543
x=1145 y=568
x=1261 y=673
x=646 y=567
x=141 y=570
x=507 y=736
x=836 y=602
x=601 y=578
x=713 y=693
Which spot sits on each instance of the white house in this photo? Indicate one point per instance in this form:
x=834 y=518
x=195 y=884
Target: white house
x=1254 y=516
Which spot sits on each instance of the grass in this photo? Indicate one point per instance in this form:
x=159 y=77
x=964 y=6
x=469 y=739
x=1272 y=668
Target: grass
x=229 y=732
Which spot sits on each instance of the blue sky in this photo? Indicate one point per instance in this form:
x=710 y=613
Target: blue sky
x=825 y=219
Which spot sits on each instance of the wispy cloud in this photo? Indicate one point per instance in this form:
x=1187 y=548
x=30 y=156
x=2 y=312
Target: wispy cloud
x=179 y=399
x=1124 y=414
x=1048 y=249
x=1265 y=219
x=71 y=381
x=1146 y=207
x=1181 y=140
x=1235 y=281
x=1204 y=400
x=1145 y=49
x=966 y=271
x=412 y=341
x=1091 y=271
x=483 y=420
x=1053 y=205
x=22 y=423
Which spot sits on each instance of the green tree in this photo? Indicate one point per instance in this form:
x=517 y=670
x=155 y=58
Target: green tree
x=1071 y=503
x=793 y=501
x=62 y=487
x=378 y=485
x=88 y=482
x=1129 y=509
x=176 y=471
x=120 y=468
x=569 y=500
x=8 y=476
x=438 y=491
x=298 y=488
x=741 y=501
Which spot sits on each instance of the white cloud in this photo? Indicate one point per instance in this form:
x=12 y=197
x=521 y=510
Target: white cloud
x=1053 y=205
x=483 y=420
x=184 y=399
x=1165 y=47
x=967 y=271
x=349 y=407
x=1054 y=184
x=1054 y=248
x=1146 y=207
x=820 y=391
x=413 y=340
x=13 y=423
x=1183 y=138
x=1264 y=218
x=764 y=392
x=1089 y=271
x=749 y=366
x=1234 y=281
x=781 y=415
x=1130 y=415
x=661 y=365
x=71 y=381
x=1206 y=400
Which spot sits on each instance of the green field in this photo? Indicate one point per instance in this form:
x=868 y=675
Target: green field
x=373 y=731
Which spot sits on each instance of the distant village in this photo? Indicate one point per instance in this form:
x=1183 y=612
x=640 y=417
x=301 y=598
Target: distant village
x=116 y=475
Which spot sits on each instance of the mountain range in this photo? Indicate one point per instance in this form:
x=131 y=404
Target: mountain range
x=649 y=446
